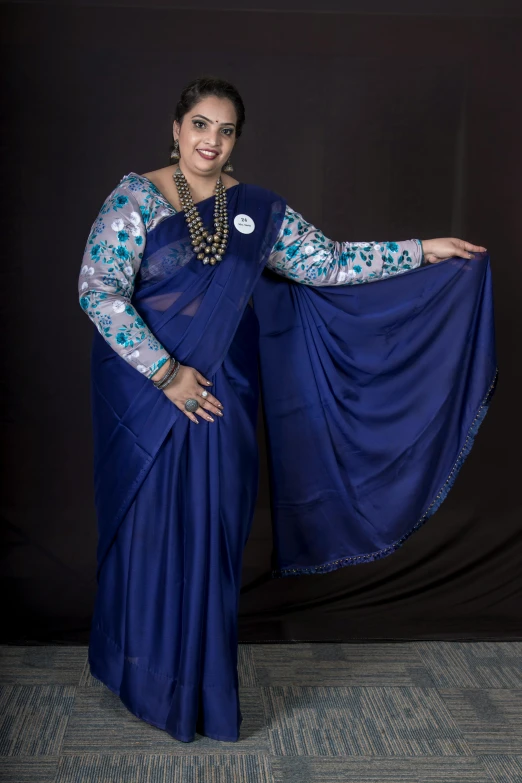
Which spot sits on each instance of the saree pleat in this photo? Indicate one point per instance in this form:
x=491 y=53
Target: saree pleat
x=178 y=553
x=372 y=395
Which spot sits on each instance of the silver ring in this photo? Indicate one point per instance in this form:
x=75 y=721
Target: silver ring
x=204 y=393
x=191 y=405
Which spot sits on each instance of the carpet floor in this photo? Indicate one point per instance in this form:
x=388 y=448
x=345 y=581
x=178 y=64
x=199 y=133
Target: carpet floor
x=403 y=712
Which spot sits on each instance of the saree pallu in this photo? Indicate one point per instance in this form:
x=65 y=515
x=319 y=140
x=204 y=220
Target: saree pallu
x=372 y=394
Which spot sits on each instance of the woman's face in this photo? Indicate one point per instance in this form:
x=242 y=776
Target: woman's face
x=209 y=125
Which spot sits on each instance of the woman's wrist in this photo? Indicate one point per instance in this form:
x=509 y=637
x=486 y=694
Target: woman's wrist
x=173 y=367
x=425 y=246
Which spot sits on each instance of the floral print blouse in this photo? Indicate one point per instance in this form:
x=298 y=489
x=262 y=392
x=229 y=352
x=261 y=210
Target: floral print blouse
x=117 y=240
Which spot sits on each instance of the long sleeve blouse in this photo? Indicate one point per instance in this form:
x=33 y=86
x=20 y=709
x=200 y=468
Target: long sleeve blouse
x=116 y=243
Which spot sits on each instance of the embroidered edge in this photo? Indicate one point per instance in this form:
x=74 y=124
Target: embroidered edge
x=334 y=565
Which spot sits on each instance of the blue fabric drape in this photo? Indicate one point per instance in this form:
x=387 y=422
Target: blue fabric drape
x=372 y=394
x=175 y=500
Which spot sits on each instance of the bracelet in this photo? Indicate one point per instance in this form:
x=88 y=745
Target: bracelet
x=168 y=375
x=171 y=362
x=168 y=378
x=176 y=370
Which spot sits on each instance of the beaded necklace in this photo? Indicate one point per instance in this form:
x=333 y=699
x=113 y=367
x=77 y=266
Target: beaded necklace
x=209 y=248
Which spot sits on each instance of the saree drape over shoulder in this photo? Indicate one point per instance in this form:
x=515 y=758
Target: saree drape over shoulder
x=372 y=397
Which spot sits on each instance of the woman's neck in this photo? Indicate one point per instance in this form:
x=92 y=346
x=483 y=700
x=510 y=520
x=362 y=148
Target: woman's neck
x=162 y=179
x=201 y=186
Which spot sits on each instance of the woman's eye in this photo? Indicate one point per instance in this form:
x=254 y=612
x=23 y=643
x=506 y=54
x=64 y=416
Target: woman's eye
x=227 y=131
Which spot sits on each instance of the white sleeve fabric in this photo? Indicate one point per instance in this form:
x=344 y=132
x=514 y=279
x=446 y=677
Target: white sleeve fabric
x=302 y=253
x=111 y=261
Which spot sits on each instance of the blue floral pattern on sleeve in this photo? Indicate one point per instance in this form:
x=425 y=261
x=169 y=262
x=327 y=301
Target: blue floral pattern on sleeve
x=115 y=246
x=303 y=253
x=111 y=261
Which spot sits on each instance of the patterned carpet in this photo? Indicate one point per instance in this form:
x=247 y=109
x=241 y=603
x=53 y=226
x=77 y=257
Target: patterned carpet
x=436 y=712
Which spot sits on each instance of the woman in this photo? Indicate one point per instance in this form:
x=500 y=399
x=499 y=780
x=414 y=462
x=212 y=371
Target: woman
x=372 y=396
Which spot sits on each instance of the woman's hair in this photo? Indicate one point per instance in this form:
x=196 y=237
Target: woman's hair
x=201 y=88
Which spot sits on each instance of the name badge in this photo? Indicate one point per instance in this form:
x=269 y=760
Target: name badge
x=244 y=223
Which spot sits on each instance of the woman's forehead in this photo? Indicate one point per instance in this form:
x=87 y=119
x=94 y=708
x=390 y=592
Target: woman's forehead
x=215 y=109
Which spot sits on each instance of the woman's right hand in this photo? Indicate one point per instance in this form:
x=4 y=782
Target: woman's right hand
x=190 y=383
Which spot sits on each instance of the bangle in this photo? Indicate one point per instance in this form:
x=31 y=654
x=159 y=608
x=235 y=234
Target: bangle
x=168 y=375
x=171 y=362
x=171 y=378
x=423 y=260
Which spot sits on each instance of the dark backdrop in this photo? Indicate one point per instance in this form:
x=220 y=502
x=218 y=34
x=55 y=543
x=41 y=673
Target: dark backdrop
x=373 y=126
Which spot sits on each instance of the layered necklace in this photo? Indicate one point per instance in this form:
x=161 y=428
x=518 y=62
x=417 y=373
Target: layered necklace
x=209 y=247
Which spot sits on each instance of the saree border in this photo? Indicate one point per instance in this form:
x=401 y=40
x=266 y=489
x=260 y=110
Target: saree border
x=334 y=565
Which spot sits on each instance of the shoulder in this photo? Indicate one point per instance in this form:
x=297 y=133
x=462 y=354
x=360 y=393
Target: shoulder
x=134 y=186
x=128 y=194
x=137 y=198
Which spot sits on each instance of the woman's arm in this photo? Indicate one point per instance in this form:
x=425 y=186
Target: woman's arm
x=302 y=253
x=110 y=263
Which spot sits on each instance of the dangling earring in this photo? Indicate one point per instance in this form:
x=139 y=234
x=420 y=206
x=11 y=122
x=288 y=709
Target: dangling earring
x=228 y=167
x=175 y=154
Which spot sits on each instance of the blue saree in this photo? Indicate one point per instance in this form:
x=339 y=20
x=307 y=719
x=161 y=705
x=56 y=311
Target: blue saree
x=372 y=394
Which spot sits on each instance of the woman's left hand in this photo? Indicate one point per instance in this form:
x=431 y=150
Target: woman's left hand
x=440 y=249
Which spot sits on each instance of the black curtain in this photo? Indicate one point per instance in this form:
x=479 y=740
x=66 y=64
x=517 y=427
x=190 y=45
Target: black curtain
x=373 y=126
